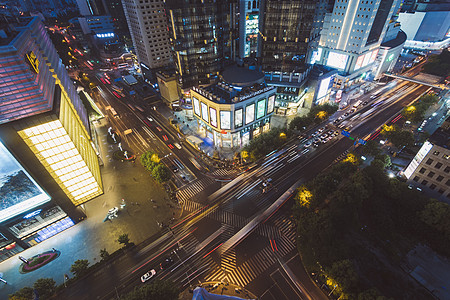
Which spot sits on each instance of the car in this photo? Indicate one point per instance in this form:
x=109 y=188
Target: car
x=159 y=128
x=174 y=168
x=149 y=275
x=346 y=114
x=365 y=102
x=167 y=262
x=316 y=144
x=307 y=144
x=150 y=119
x=177 y=145
x=165 y=138
x=320 y=130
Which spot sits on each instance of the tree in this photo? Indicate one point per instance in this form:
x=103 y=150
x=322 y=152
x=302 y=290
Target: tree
x=304 y=196
x=371 y=148
x=161 y=173
x=401 y=138
x=124 y=239
x=385 y=159
x=161 y=290
x=24 y=293
x=104 y=254
x=79 y=267
x=344 y=274
x=149 y=160
x=437 y=215
x=45 y=287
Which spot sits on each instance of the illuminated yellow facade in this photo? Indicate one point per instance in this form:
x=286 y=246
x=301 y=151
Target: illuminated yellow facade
x=65 y=149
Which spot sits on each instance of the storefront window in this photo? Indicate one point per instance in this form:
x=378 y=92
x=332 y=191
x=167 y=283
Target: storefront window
x=238 y=118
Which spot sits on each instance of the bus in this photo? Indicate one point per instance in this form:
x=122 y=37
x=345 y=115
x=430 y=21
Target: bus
x=117 y=88
x=358 y=103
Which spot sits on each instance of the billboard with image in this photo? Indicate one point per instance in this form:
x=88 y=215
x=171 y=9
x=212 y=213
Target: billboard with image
x=225 y=120
x=196 y=106
x=337 y=60
x=213 y=116
x=249 y=113
x=204 y=112
x=238 y=118
x=261 y=108
x=270 y=104
x=18 y=191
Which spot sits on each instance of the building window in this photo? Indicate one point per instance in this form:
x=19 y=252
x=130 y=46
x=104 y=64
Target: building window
x=445 y=156
x=422 y=171
x=424 y=182
x=436 y=152
x=447 y=169
x=448 y=182
x=441 y=191
x=433 y=186
x=416 y=178
x=439 y=178
x=429 y=161
x=438 y=165
x=431 y=174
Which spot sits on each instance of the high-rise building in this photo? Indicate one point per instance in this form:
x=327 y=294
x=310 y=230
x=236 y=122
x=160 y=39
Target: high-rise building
x=200 y=38
x=148 y=28
x=248 y=27
x=114 y=9
x=91 y=7
x=430 y=169
x=286 y=29
x=48 y=162
x=351 y=36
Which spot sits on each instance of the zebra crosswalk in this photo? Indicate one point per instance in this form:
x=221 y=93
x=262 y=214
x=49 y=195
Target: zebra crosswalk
x=225 y=173
x=189 y=191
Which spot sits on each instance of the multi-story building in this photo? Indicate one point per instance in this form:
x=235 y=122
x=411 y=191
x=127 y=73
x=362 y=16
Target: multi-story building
x=91 y=7
x=235 y=109
x=199 y=32
x=148 y=28
x=49 y=164
x=286 y=27
x=351 y=36
x=114 y=9
x=249 y=27
x=430 y=168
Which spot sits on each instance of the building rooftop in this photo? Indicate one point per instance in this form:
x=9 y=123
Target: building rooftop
x=241 y=76
x=441 y=137
x=400 y=39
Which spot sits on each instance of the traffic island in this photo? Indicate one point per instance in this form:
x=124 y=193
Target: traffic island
x=124 y=155
x=216 y=290
x=38 y=261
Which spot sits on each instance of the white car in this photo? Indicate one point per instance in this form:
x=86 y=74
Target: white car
x=149 y=275
x=177 y=145
x=307 y=144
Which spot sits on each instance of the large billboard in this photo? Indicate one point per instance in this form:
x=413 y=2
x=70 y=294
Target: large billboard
x=337 y=60
x=249 y=113
x=238 y=117
x=18 y=191
x=213 y=116
x=271 y=104
x=260 y=108
x=323 y=88
x=225 y=120
x=204 y=112
x=196 y=106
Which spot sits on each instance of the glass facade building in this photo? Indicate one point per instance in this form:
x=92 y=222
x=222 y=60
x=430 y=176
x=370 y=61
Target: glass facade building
x=49 y=164
x=200 y=39
x=286 y=30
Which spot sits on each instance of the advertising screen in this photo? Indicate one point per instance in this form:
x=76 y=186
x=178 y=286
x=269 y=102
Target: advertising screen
x=238 y=114
x=213 y=115
x=271 y=104
x=336 y=60
x=196 y=106
x=18 y=191
x=249 y=113
x=204 y=112
x=324 y=84
x=316 y=55
x=225 y=120
x=359 y=62
x=373 y=56
x=261 y=108
x=366 y=59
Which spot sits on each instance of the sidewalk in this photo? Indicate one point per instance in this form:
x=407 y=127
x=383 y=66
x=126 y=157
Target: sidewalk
x=84 y=240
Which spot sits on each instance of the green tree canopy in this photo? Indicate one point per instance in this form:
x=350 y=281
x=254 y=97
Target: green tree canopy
x=79 y=267
x=124 y=239
x=45 y=287
x=161 y=173
x=25 y=293
x=161 y=290
x=344 y=274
